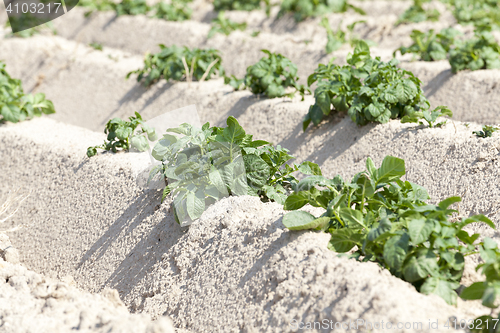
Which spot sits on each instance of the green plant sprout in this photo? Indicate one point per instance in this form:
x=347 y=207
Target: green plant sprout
x=224 y=26
x=380 y=218
x=335 y=40
x=15 y=106
x=122 y=134
x=179 y=63
x=176 y=10
x=430 y=46
x=416 y=13
x=270 y=76
x=369 y=90
x=303 y=9
x=479 y=52
x=204 y=165
x=487 y=131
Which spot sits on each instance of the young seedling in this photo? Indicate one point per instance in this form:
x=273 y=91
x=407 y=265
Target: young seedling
x=429 y=116
x=488 y=291
x=92 y=6
x=303 y=9
x=176 y=10
x=480 y=52
x=270 y=76
x=416 y=13
x=122 y=134
x=207 y=164
x=480 y=13
x=430 y=46
x=383 y=219
x=132 y=7
x=15 y=106
x=96 y=46
x=335 y=40
x=369 y=90
x=487 y=131
x=224 y=26
x=179 y=63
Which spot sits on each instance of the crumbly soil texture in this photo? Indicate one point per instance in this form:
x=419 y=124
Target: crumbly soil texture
x=94 y=250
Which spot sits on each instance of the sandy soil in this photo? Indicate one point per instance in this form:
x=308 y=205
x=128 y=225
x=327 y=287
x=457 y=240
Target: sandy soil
x=238 y=268
x=31 y=302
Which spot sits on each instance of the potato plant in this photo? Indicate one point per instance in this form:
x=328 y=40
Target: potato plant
x=207 y=164
x=369 y=89
x=271 y=77
x=479 y=52
x=430 y=46
x=132 y=7
x=175 y=10
x=303 y=9
x=179 y=63
x=248 y=5
x=224 y=26
x=122 y=134
x=15 y=106
x=383 y=219
x=480 y=13
x=92 y=6
x=488 y=291
x=336 y=39
x=486 y=132
x=416 y=13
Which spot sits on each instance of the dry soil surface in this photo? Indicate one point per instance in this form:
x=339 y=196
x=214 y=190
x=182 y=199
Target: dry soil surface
x=237 y=268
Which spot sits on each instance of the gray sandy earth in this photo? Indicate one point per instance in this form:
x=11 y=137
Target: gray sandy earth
x=88 y=229
x=30 y=302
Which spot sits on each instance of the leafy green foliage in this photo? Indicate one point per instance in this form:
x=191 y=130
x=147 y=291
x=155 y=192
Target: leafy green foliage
x=176 y=10
x=224 y=26
x=122 y=134
x=303 y=9
x=270 y=76
x=416 y=13
x=386 y=220
x=132 y=7
x=221 y=5
x=489 y=290
x=209 y=163
x=169 y=65
x=429 y=116
x=96 y=5
x=480 y=52
x=340 y=37
x=486 y=132
x=480 y=13
x=430 y=46
x=368 y=89
x=96 y=46
x=15 y=106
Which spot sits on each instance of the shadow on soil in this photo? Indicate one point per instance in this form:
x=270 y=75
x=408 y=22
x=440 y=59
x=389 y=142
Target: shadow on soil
x=240 y=107
x=137 y=221
x=437 y=82
x=332 y=138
